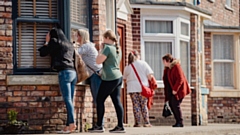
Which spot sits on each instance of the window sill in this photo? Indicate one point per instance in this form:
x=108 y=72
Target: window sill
x=211 y=1
x=32 y=79
x=228 y=8
x=225 y=93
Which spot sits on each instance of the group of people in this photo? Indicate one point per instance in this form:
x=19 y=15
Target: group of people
x=106 y=78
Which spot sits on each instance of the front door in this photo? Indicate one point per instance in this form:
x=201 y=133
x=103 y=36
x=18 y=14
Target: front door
x=121 y=36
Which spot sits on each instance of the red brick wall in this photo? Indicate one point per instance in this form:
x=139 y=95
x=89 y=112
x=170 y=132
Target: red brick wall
x=194 y=69
x=155 y=113
x=220 y=14
x=220 y=110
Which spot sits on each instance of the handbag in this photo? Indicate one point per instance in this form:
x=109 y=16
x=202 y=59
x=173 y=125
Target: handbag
x=81 y=68
x=146 y=91
x=166 y=110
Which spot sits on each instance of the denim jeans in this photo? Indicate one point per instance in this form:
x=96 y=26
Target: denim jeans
x=67 y=81
x=95 y=82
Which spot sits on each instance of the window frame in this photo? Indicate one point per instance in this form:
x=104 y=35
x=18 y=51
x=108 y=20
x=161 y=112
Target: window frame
x=175 y=37
x=172 y=41
x=159 y=18
x=110 y=12
x=228 y=3
x=63 y=19
x=235 y=65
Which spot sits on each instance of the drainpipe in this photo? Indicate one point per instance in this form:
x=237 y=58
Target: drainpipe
x=115 y=8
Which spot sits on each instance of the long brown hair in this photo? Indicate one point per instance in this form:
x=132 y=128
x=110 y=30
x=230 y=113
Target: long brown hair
x=132 y=56
x=111 y=35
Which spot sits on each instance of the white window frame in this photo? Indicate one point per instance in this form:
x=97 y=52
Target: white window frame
x=228 y=5
x=228 y=91
x=159 y=18
x=174 y=37
x=189 y=71
x=110 y=15
x=147 y=39
x=181 y=20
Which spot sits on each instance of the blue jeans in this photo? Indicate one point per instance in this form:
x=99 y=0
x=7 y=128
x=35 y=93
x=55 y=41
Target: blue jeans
x=95 y=82
x=67 y=81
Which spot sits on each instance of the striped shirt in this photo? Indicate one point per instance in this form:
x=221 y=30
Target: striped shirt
x=89 y=54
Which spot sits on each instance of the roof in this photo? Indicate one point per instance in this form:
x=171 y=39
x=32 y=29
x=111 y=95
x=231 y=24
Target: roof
x=184 y=4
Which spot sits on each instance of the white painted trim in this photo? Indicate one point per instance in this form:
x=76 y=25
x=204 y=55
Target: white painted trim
x=171 y=8
x=159 y=18
x=222 y=30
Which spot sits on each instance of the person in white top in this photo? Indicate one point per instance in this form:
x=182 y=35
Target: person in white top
x=134 y=87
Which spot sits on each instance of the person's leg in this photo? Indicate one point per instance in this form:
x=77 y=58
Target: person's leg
x=136 y=107
x=95 y=82
x=176 y=110
x=104 y=91
x=115 y=96
x=144 y=110
x=65 y=79
x=72 y=126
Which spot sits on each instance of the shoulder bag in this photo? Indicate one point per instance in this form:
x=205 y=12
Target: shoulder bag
x=146 y=91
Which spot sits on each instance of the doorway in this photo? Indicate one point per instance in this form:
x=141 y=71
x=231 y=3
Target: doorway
x=121 y=36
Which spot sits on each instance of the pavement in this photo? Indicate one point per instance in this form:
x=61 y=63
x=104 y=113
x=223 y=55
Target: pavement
x=210 y=129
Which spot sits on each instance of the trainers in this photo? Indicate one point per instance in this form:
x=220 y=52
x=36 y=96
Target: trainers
x=136 y=125
x=96 y=129
x=147 y=125
x=118 y=129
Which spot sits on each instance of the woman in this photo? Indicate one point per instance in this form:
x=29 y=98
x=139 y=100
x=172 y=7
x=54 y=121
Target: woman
x=134 y=88
x=89 y=54
x=111 y=75
x=62 y=51
x=175 y=87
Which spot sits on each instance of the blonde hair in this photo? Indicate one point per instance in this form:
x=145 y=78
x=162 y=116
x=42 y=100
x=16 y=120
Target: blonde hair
x=84 y=35
x=111 y=35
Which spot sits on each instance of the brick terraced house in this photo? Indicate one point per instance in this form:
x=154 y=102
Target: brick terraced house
x=205 y=37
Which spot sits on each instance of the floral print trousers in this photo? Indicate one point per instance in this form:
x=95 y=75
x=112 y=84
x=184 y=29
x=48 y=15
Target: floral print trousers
x=140 y=108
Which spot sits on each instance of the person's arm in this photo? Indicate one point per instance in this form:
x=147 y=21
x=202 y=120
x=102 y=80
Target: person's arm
x=101 y=58
x=179 y=79
x=102 y=55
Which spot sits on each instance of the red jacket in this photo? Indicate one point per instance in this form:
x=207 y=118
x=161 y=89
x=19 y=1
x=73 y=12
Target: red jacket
x=174 y=79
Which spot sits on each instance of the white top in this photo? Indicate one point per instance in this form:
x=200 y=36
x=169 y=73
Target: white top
x=143 y=70
x=89 y=54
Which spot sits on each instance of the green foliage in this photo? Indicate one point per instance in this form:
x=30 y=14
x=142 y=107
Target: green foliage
x=87 y=126
x=12 y=118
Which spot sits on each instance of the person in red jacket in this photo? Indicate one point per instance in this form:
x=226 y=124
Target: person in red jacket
x=175 y=86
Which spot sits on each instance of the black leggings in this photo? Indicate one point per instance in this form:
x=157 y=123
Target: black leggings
x=112 y=88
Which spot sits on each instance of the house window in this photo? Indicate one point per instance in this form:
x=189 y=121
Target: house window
x=160 y=36
x=154 y=51
x=110 y=14
x=158 y=26
x=79 y=16
x=223 y=60
x=184 y=29
x=229 y=3
x=184 y=58
x=32 y=20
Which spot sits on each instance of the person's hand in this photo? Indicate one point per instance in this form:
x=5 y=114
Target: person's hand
x=48 y=37
x=174 y=92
